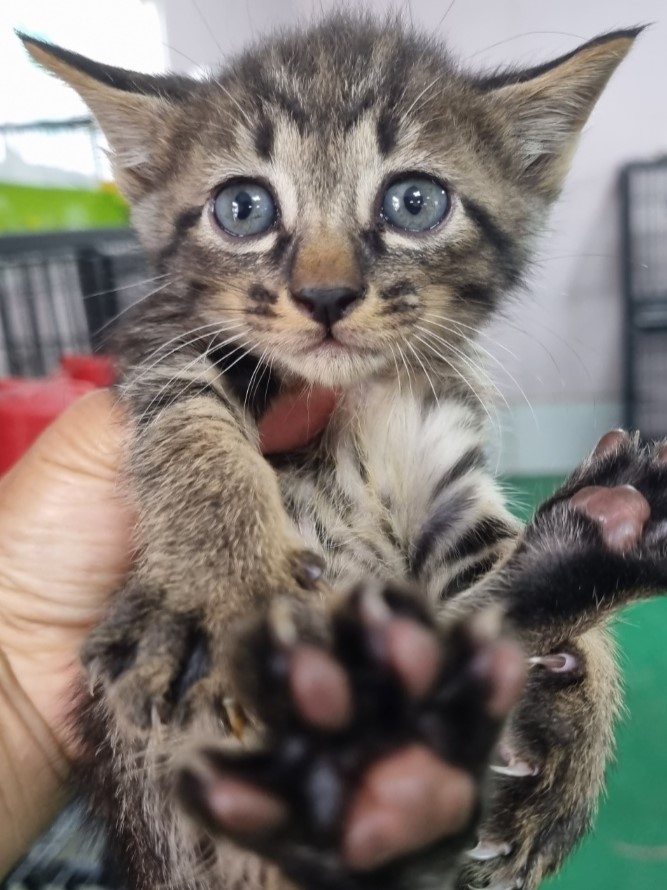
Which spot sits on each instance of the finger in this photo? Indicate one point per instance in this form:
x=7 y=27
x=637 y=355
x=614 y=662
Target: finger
x=296 y=418
x=65 y=532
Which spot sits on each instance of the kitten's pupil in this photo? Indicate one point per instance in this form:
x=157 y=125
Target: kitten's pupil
x=413 y=200
x=242 y=205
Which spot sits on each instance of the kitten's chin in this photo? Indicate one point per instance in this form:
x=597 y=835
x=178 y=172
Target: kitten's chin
x=333 y=366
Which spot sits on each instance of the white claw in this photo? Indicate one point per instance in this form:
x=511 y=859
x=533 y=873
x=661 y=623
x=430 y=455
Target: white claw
x=516 y=885
x=485 y=851
x=487 y=625
x=282 y=622
x=373 y=606
x=559 y=663
x=518 y=769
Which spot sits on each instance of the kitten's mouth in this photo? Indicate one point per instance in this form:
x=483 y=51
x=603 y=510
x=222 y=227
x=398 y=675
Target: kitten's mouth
x=328 y=344
x=331 y=361
x=331 y=345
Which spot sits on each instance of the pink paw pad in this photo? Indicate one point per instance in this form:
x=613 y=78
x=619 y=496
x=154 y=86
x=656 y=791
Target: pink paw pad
x=620 y=511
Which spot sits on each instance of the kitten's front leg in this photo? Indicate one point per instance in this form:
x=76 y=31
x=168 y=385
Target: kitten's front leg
x=214 y=543
x=597 y=544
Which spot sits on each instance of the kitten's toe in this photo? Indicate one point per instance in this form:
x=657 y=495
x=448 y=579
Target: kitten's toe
x=320 y=688
x=157 y=670
x=621 y=513
x=612 y=442
x=407 y=801
x=229 y=804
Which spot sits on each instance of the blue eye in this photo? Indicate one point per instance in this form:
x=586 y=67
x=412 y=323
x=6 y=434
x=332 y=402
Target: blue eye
x=415 y=204
x=245 y=208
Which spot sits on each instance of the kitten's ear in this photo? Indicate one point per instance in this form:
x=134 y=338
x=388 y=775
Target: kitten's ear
x=134 y=110
x=546 y=107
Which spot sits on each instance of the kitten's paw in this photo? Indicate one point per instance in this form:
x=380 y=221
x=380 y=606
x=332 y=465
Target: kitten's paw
x=158 y=665
x=379 y=730
x=604 y=533
x=151 y=663
x=622 y=489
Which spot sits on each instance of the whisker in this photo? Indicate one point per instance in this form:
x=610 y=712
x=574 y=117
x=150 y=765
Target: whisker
x=423 y=93
x=482 y=375
x=145 y=369
x=562 y=340
x=493 y=358
x=426 y=374
x=272 y=358
x=138 y=302
x=519 y=36
x=462 y=377
x=513 y=325
x=199 y=357
x=202 y=356
x=244 y=114
x=208 y=27
x=116 y=290
x=477 y=331
x=222 y=371
x=398 y=373
x=407 y=369
x=444 y=18
x=254 y=378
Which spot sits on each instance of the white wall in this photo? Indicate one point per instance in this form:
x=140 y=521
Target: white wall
x=566 y=330
x=201 y=32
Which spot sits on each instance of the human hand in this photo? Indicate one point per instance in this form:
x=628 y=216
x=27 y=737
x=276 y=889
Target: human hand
x=65 y=546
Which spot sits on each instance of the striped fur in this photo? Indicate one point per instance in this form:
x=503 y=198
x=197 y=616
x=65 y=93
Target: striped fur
x=397 y=487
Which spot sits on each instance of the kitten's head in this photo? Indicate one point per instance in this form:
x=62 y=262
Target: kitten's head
x=344 y=194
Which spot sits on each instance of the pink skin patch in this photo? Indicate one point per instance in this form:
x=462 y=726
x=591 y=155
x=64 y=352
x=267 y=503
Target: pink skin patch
x=621 y=511
x=414 y=653
x=407 y=801
x=242 y=808
x=320 y=688
x=611 y=442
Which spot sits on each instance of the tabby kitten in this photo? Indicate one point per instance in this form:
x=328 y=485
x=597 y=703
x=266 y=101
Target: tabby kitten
x=343 y=206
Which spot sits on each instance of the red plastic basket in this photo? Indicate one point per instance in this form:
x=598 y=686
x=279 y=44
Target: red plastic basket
x=28 y=406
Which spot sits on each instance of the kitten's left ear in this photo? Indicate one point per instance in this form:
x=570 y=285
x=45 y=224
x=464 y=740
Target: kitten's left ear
x=134 y=111
x=546 y=107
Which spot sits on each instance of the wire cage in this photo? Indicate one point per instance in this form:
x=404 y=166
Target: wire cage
x=60 y=293
x=644 y=272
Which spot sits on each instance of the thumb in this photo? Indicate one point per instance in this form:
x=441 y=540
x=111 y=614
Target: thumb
x=63 y=524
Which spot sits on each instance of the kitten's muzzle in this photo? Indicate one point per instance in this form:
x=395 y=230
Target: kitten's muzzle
x=327 y=305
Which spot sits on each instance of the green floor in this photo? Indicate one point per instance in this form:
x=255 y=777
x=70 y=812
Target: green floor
x=628 y=848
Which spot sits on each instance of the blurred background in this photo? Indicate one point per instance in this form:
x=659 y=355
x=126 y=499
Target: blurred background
x=583 y=351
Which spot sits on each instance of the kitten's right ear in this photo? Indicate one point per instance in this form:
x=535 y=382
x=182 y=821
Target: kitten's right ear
x=134 y=110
